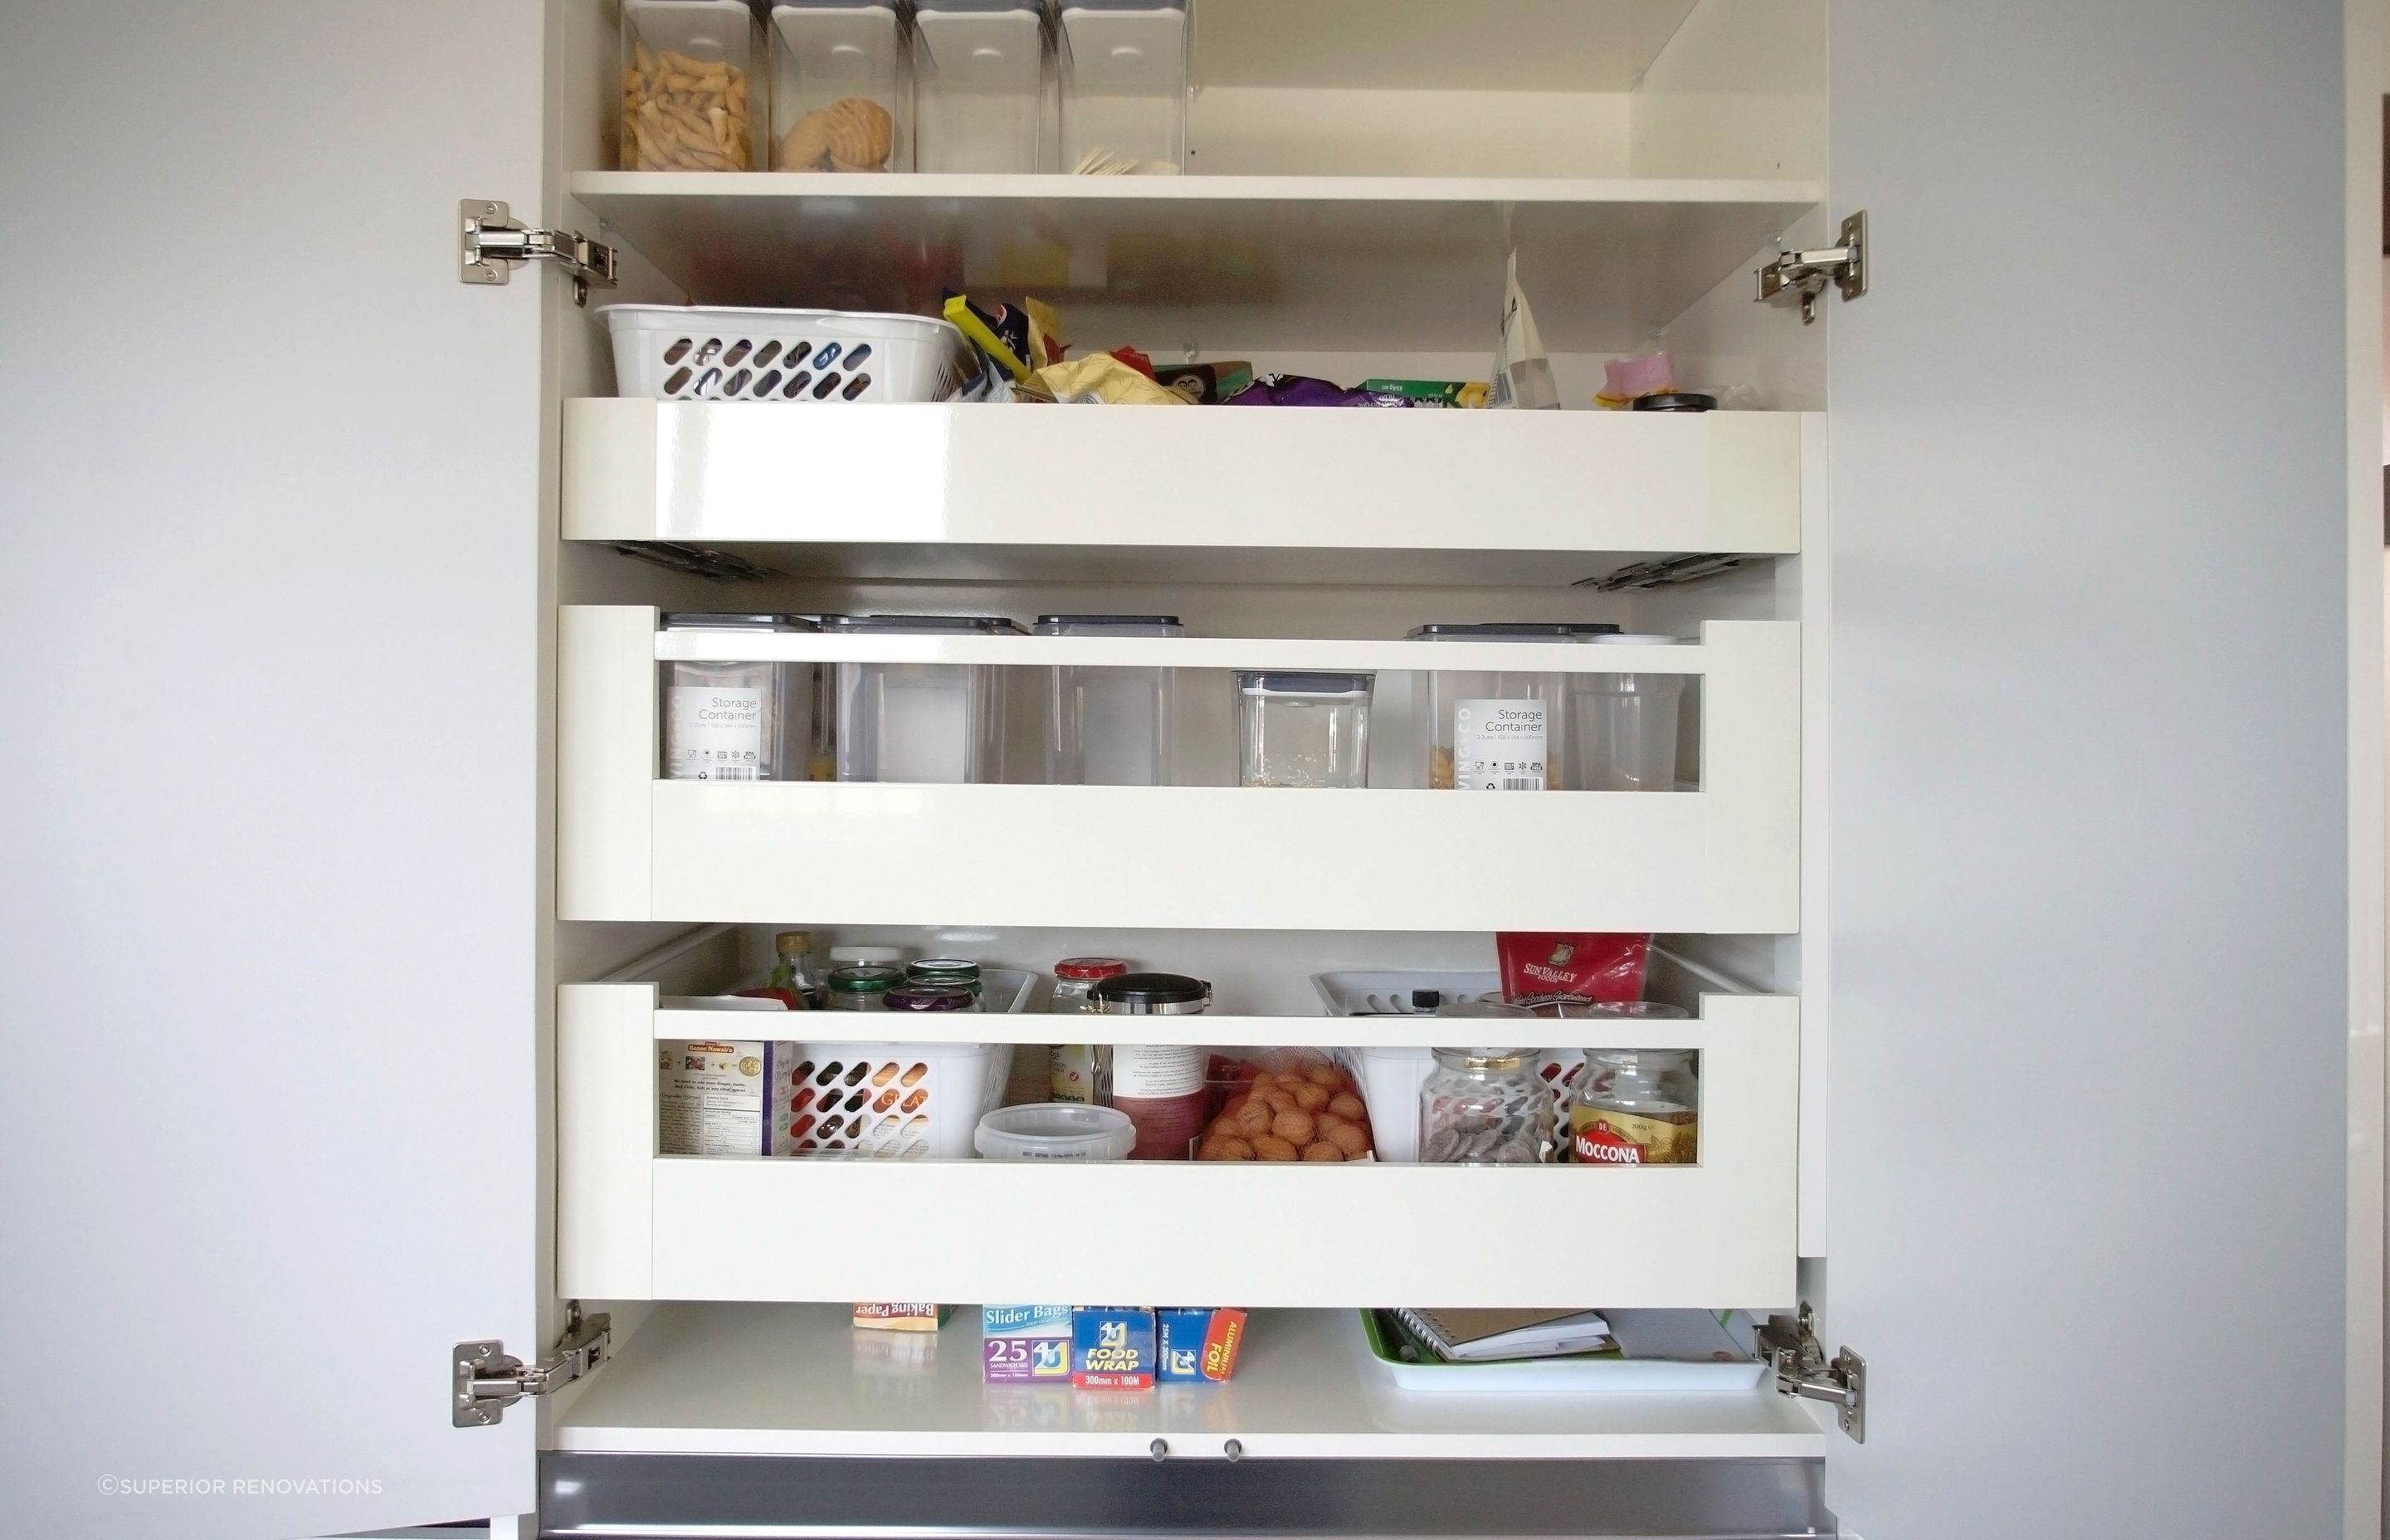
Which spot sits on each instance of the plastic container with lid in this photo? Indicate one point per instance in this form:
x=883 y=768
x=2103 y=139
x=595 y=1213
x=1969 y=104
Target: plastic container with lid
x=1055 y=1131
x=1107 y=726
x=1124 y=74
x=691 y=100
x=1636 y=1107
x=1624 y=726
x=842 y=97
x=1485 y=1107
x=932 y=724
x=1304 y=729
x=1159 y=1085
x=982 y=86
x=862 y=987
x=1504 y=731
x=734 y=722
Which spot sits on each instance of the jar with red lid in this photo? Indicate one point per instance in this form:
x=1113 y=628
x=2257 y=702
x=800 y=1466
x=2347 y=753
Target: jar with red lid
x=1081 y=1073
x=1075 y=979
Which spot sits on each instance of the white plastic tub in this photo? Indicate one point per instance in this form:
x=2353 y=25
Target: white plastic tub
x=1055 y=1131
x=715 y=352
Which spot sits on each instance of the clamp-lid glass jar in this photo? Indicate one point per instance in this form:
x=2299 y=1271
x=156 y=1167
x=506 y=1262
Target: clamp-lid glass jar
x=1485 y=1107
x=917 y=996
x=862 y=988
x=1636 y=1107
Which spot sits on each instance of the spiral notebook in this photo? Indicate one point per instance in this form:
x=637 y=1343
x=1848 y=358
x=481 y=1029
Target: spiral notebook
x=1478 y=1336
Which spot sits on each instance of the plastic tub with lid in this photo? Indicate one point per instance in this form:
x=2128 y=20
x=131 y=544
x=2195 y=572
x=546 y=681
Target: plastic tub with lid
x=1304 y=729
x=1123 y=77
x=1500 y=731
x=923 y=724
x=982 y=86
x=1055 y=1131
x=692 y=100
x=840 y=86
x=732 y=721
x=1107 y=726
x=1625 y=727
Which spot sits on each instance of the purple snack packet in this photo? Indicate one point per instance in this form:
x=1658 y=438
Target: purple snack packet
x=1294 y=390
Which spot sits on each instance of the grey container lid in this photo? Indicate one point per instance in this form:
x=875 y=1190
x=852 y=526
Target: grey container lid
x=1058 y=625
x=1281 y=682
x=927 y=625
x=706 y=620
x=1512 y=630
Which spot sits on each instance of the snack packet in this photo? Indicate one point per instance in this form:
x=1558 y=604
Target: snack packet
x=1539 y=968
x=1627 y=380
x=1103 y=380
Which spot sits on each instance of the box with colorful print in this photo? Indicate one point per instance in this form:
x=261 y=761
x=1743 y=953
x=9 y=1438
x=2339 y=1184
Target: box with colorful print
x=1198 y=1343
x=1025 y=1343
x=1112 y=1348
x=873 y=1317
x=724 y=1099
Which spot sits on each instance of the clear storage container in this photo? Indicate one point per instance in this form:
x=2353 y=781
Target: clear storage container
x=1504 y=731
x=1107 y=726
x=1054 y=1131
x=734 y=722
x=1123 y=78
x=982 y=86
x=840 y=86
x=934 y=724
x=1304 y=729
x=690 y=99
x=1625 y=724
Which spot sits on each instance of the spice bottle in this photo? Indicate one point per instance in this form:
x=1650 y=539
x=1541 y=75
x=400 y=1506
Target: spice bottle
x=795 y=972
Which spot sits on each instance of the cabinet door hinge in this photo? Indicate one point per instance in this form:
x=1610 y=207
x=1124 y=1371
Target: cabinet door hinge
x=484 y=1379
x=495 y=243
x=1804 y=275
x=1802 y=1369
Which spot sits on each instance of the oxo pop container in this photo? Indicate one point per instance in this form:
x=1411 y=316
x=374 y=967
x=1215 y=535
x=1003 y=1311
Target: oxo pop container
x=736 y=722
x=1107 y=726
x=690 y=97
x=934 y=724
x=842 y=97
x=1625 y=724
x=1498 y=731
x=1304 y=729
x=1124 y=71
x=982 y=86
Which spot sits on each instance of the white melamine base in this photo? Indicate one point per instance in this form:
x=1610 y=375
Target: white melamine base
x=719 y=1379
x=967 y=492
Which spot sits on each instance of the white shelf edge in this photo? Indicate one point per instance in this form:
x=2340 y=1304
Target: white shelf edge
x=1279 y=655
x=1050 y=186
x=1252 y=1032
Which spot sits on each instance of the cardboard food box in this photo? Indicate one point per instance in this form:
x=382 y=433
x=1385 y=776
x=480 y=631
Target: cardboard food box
x=902 y=1317
x=1112 y=1347
x=1198 y=1341
x=724 y=1099
x=1024 y=1343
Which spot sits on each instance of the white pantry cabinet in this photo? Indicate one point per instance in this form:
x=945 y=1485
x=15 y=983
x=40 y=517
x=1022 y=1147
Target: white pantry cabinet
x=2022 y=884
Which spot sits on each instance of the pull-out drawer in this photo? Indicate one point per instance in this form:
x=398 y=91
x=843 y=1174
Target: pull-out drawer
x=1721 y=859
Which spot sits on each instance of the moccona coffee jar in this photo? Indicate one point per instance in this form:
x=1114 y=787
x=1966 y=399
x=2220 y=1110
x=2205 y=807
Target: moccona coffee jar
x=1636 y=1107
x=1159 y=1085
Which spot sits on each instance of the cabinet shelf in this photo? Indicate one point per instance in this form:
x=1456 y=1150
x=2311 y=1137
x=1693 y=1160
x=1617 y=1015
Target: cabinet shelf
x=633 y=1225
x=726 y=1378
x=1723 y=859
x=1248 y=262
x=1244 y=496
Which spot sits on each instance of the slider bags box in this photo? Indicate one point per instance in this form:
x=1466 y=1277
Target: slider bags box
x=1112 y=1348
x=1025 y=1343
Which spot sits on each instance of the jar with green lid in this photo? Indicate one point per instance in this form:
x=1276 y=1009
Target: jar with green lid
x=917 y=996
x=863 y=988
x=960 y=972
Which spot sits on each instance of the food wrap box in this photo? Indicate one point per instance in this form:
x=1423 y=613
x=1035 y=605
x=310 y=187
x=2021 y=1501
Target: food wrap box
x=1112 y=1347
x=1198 y=1341
x=1024 y=1343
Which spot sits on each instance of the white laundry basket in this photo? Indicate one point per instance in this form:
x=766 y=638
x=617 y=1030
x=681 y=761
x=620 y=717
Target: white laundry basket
x=894 y=1101
x=711 y=352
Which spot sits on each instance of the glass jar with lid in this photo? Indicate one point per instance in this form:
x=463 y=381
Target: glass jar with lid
x=960 y=972
x=863 y=987
x=913 y=996
x=1485 y=1107
x=794 y=969
x=1636 y=1107
x=1075 y=979
x=735 y=721
x=1159 y=1085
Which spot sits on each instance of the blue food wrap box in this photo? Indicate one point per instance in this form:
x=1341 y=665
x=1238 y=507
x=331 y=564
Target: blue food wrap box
x=1112 y=1347
x=1020 y=1343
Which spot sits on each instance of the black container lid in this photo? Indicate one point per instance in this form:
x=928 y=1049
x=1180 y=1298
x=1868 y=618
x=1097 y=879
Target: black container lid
x=1676 y=401
x=990 y=625
x=1109 y=620
x=1145 y=990
x=707 y=620
x=1513 y=629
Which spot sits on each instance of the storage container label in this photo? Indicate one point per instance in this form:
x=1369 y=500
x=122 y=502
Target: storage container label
x=1498 y=745
x=713 y=735
x=1142 y=1072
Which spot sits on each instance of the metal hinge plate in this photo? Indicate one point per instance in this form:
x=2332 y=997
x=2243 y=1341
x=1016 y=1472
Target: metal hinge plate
x=484 y=1379
x=1804 y=275
x=495 y=243
x=1802 y=1369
